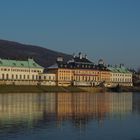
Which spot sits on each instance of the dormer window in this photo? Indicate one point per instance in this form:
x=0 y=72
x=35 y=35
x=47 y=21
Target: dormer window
x=34 y=64
x=14 y=64
x=0 y=62
x=22 y=64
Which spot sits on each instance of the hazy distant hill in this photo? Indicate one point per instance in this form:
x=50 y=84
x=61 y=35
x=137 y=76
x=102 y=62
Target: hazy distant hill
x=44 y=56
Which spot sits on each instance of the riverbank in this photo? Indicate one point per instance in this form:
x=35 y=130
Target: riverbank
x=40 y=89
x=123 y=89
x=37 y=89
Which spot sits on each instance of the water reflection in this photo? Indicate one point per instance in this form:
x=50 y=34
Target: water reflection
x=52 y=109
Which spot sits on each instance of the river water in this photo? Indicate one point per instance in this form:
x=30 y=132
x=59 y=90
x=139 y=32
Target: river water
x=70 y=116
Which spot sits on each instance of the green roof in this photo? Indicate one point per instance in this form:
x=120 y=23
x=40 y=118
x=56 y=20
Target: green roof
x=30 y=63
x=121 y=69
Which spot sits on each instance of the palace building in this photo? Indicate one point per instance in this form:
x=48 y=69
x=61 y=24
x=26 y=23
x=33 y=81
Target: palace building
x=19 y=72
x=80 y=71
x=48 y=79
x=120 y=76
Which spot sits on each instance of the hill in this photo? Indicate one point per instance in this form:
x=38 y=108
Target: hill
x=14 y=50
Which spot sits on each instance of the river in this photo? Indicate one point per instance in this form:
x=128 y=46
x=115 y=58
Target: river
x=70 y=116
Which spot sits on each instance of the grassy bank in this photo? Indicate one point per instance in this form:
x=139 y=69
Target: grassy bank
x=40 y=89
x=37 y=89
x=93 y=89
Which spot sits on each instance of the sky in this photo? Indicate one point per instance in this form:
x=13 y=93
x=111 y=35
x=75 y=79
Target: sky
x=107 y=29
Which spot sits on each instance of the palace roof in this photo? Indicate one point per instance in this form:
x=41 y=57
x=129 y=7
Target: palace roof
x=120 y=69
x=73 y=65
x=82 y=60
x=78 y=62
x=30 y=63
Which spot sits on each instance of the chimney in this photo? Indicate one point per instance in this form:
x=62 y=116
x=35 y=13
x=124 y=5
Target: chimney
x=121 y=65
x=59 y=59
x=80 y=55
x=101 y=62
x=86 y=56
x=74 y=55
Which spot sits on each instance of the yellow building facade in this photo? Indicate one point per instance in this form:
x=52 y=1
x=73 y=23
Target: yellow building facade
x=64 y=77
x=19 y=72
x=79 y=72
x=120 y=76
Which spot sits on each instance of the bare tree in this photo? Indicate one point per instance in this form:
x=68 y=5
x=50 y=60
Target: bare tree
x=138 y=70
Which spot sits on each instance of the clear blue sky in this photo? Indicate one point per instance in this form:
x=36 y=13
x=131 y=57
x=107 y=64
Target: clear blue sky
x=108 y=29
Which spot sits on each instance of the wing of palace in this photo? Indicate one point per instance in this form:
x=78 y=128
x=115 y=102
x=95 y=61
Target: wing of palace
x=79 y=71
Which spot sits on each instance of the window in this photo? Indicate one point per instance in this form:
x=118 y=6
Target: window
x=24 y=77
x=16 y=76
x=49 y=77
x=34 y=64
x=12 y=76
x=33 y=77
x=7 y=76
x=22 y=64
x=40 y=77
x=3 y=77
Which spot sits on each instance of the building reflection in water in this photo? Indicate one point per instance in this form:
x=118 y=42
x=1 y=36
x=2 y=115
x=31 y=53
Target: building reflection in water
x=52 y=109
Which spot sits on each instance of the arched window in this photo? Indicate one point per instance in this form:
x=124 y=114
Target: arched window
x=20 y=77
x=24 y=77
x=3 y=77
x=16 y=76
x=32 y=77
x=7 y=76
x=12 y=76
x=39 y=77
